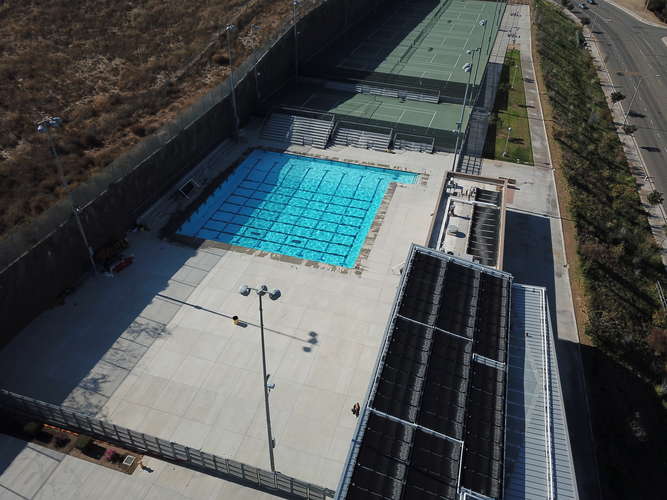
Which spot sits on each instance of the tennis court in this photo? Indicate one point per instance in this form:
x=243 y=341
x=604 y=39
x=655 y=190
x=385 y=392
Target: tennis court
x=423 y=42
x=443 y=116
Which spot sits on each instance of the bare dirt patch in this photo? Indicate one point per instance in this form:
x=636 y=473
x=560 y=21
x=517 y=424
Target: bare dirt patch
x=115 y=72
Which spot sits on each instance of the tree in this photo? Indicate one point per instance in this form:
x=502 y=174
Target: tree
x=617 y=96
x=629 y=129
x=655 y=197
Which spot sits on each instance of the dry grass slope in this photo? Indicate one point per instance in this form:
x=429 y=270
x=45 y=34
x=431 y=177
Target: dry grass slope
x=115 y=71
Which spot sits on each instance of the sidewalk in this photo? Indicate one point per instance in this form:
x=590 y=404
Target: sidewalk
x=538 y=133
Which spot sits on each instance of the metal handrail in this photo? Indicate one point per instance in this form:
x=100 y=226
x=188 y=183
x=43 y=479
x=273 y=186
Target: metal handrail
x=547 y=399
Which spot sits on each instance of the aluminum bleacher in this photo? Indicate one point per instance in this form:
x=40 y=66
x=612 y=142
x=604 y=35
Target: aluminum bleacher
x=385 y=90
x=297 y=127
x=352 y=134
x=418 y=143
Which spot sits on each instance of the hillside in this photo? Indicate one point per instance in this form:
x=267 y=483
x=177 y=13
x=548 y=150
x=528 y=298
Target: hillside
x=115 y=72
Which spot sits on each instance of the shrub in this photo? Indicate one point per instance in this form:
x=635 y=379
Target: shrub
x=655 y=197
x=82 y=442
x=61 y=442
x=629 y=129
x=617 y=96
x=32 y=428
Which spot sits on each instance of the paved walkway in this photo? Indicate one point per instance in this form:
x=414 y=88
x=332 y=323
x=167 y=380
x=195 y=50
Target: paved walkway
x=538 y=133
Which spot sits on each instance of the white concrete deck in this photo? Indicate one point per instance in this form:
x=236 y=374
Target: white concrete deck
x=154 y=349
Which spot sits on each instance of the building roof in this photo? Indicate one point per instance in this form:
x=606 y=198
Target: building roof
x=538 y=459
x=433 y=425
x=473 y=226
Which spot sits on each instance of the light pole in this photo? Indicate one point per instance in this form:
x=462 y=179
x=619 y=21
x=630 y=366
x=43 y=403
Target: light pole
x=254 y=28
x=467 y=67
x=472 y=52
x=273 y=295
x=493 y=23
x=228 y=30
x=509 y=131
x=483 y=23
x=296 y=40
x=625 y=120
x=45 y=126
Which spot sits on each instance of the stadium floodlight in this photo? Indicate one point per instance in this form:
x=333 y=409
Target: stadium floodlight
x=467 y=67
x=472 y=53
x=509 y=132
x=228 y=29
x=483 y=23
x=45 y=126
x=274 y=294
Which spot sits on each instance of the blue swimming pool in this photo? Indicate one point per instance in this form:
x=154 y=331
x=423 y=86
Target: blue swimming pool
x=292 y=205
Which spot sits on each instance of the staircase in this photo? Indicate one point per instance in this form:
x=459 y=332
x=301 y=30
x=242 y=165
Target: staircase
x=398 y=93
x=297 y=129
x=345 y=136
x=483 y=240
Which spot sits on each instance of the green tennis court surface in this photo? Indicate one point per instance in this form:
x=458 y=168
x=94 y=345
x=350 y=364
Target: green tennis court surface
x=422 y=41
x=443 y=116
x=405 y=64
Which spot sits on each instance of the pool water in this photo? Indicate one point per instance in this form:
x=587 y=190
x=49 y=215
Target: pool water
x=313 y=209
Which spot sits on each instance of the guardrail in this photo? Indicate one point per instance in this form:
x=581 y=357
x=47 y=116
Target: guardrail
x=274 y=483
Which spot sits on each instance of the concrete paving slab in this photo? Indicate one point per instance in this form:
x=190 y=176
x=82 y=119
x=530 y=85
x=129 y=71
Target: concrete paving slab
x=63 y=484
x=6 y=494
x=128 y=414
x=191 y=433
x=203 y=486
x=85 y=401
x=189 y=276
x=104 y=379
x=145 y=389
x=125 y=353
x=27 y=472
x=222 y=442
x=176 y=398
x=144 y=331
x=160 y=310
x=159 y=424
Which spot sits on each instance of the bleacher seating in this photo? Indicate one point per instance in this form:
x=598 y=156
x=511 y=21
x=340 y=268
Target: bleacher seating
x=413 y=144
x=297 y=129
x=345 y=136
x=398 y=93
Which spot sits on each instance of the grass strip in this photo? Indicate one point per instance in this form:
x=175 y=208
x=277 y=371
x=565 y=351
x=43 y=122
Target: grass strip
x=509 y=111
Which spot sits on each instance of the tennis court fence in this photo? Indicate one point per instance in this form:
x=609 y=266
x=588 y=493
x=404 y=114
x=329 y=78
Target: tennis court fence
x=274 y=483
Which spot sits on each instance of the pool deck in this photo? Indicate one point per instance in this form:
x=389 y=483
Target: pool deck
x=154 y=349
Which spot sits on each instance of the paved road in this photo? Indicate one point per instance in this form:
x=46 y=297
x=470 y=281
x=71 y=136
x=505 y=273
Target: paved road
x=635 y=50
